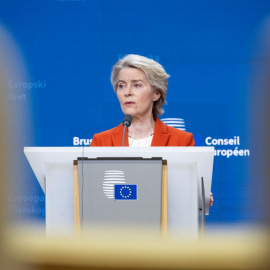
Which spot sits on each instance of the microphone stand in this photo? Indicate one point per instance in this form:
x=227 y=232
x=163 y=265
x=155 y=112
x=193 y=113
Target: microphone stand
x=126 y=123
x=124 y=132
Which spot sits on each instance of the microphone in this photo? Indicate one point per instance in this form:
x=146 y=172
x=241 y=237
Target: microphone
x=126 y=123
x=127 y=120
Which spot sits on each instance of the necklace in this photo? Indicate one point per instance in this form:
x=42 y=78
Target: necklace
x=142 y=138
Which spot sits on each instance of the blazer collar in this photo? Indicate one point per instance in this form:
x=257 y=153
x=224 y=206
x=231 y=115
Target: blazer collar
x=161 y=134
x=117 y=136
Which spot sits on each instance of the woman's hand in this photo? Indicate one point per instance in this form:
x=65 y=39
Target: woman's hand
x=211 y=199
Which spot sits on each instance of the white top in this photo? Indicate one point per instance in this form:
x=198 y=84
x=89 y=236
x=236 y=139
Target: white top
x=145 y=142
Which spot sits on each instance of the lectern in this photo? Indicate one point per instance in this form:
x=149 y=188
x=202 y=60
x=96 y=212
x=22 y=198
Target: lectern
x=189 y=182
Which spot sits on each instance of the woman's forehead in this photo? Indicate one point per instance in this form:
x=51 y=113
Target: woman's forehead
x=131 y=74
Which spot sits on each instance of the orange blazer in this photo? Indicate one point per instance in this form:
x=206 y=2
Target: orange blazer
x=163 y=136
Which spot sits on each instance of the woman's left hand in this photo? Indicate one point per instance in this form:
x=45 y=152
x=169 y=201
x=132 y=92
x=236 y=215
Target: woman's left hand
x=211 y=199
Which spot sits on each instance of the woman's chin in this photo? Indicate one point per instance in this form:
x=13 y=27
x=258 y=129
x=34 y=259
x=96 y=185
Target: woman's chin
x=130 y=112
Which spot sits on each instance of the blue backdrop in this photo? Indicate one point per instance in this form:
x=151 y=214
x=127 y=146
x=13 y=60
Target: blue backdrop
x=67 y=49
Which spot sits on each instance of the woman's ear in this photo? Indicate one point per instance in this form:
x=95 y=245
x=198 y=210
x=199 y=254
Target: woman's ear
x=156 y=95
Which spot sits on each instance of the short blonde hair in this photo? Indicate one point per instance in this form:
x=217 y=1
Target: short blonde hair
x=155 y=74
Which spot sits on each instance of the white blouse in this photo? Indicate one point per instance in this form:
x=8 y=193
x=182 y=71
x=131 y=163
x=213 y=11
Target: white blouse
x=145 y=142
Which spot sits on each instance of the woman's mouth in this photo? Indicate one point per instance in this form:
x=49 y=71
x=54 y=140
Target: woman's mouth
x=129 y=103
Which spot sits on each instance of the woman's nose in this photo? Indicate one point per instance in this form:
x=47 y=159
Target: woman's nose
x=128 y=91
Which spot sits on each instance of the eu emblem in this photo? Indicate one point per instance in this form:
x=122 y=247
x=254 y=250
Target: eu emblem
x=125 y=192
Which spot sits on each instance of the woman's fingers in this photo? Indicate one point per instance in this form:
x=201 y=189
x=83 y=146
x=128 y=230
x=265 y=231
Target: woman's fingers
x=211 y=199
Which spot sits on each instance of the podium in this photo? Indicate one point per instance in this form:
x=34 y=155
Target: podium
x=188 y=168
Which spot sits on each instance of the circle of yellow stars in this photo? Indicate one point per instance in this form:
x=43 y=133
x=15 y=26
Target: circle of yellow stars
x=124 y=188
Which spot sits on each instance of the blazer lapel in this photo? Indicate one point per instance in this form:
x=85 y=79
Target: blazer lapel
x=117 y=136
x=161 y=135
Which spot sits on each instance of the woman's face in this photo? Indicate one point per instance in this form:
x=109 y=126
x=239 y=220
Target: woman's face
x=135 y=94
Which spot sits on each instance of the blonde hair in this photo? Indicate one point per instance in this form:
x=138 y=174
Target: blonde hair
x=155 y=74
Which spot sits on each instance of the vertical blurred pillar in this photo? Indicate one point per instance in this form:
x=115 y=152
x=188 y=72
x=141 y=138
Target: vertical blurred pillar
x=13 y=117
x=3 y=172
x=260 y=129
x=5 y=176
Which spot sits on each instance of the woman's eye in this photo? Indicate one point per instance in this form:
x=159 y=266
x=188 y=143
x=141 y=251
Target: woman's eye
x=120 y=86
x=137 y=85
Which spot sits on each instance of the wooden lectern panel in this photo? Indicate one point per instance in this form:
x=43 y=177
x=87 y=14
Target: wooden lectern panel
x=77 y=222
x=164 y=200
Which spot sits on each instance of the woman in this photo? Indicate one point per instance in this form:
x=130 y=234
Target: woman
x=141 y=84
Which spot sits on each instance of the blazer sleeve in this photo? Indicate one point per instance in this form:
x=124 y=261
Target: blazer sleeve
x=96 y=140
x=188 y=140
